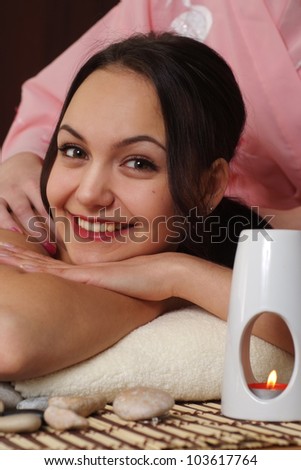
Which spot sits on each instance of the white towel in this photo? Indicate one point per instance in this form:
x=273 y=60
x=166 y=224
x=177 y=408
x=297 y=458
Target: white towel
x=181 y=352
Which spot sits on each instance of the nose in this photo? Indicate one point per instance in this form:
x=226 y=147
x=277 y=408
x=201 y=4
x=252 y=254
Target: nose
x=95 y=188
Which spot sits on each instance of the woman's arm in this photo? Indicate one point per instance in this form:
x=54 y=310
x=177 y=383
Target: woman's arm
x=48 y=323
x=197 y=273
x=167 y=276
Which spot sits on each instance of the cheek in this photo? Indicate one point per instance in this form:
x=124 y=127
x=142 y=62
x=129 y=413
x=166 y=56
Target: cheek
x=159 y=206
x=163 y=204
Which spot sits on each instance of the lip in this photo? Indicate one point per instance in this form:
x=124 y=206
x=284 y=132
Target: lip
x=87 y=235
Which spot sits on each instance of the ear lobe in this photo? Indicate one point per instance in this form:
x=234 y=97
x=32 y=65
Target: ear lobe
x=217 y=182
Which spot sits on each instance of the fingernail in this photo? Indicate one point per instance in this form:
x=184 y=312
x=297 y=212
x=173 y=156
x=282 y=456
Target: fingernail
x=16 y=229
x=49 y=247
x=7 y=245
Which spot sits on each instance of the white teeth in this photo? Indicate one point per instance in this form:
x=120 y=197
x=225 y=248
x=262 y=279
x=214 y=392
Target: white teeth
x=98 y=227
x=110 y=227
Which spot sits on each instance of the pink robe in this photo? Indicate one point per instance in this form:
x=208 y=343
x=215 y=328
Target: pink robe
x=260 y=39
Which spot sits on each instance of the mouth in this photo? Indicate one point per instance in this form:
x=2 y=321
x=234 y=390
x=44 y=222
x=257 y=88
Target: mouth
x=98 y=229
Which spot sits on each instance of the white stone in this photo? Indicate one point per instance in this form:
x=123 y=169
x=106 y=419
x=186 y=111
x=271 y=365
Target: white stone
x=140 y=403
x=62 y=419
x=82 y=405
x=20 y=422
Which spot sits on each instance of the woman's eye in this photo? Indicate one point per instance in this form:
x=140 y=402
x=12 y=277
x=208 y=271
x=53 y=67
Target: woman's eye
x=141 y=164
x=72 y=151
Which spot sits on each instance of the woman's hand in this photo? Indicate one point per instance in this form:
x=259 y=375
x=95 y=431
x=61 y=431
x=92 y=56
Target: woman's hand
x=20 y=198
x=152 y=277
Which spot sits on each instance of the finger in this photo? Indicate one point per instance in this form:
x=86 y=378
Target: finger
x=37 y=203
x=9 y=250
x=26 y=205
x=17 y=250
x=25 y=214
x=9 y=260
x=6 y=219
x=27 y=263
x=60 y=271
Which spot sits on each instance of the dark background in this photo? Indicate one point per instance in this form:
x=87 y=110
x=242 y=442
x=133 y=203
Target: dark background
x=32 y=34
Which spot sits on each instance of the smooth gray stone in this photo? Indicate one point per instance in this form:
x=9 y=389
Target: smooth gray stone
x=9 y=396
x=36 y=403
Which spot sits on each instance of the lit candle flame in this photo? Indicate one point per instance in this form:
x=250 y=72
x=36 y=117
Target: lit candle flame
x=272 y=379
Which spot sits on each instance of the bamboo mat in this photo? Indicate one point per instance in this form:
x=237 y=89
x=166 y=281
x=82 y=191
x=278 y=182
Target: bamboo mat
x=187 y=426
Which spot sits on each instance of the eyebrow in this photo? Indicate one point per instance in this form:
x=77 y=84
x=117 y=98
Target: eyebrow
x=122 y=143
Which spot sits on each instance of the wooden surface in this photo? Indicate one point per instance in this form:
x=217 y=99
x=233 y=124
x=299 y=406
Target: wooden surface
x=187 y=426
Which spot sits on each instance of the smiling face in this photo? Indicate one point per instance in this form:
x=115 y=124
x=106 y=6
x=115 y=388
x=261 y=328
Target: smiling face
x=109 y=181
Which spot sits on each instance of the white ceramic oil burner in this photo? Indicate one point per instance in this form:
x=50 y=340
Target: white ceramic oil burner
x=266 y=278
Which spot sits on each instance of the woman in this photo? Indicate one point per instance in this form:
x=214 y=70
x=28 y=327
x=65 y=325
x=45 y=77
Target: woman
x=261 y=42
x=137 y=165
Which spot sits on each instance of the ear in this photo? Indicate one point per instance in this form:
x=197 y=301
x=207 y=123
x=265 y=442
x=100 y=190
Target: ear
x=216 y=183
